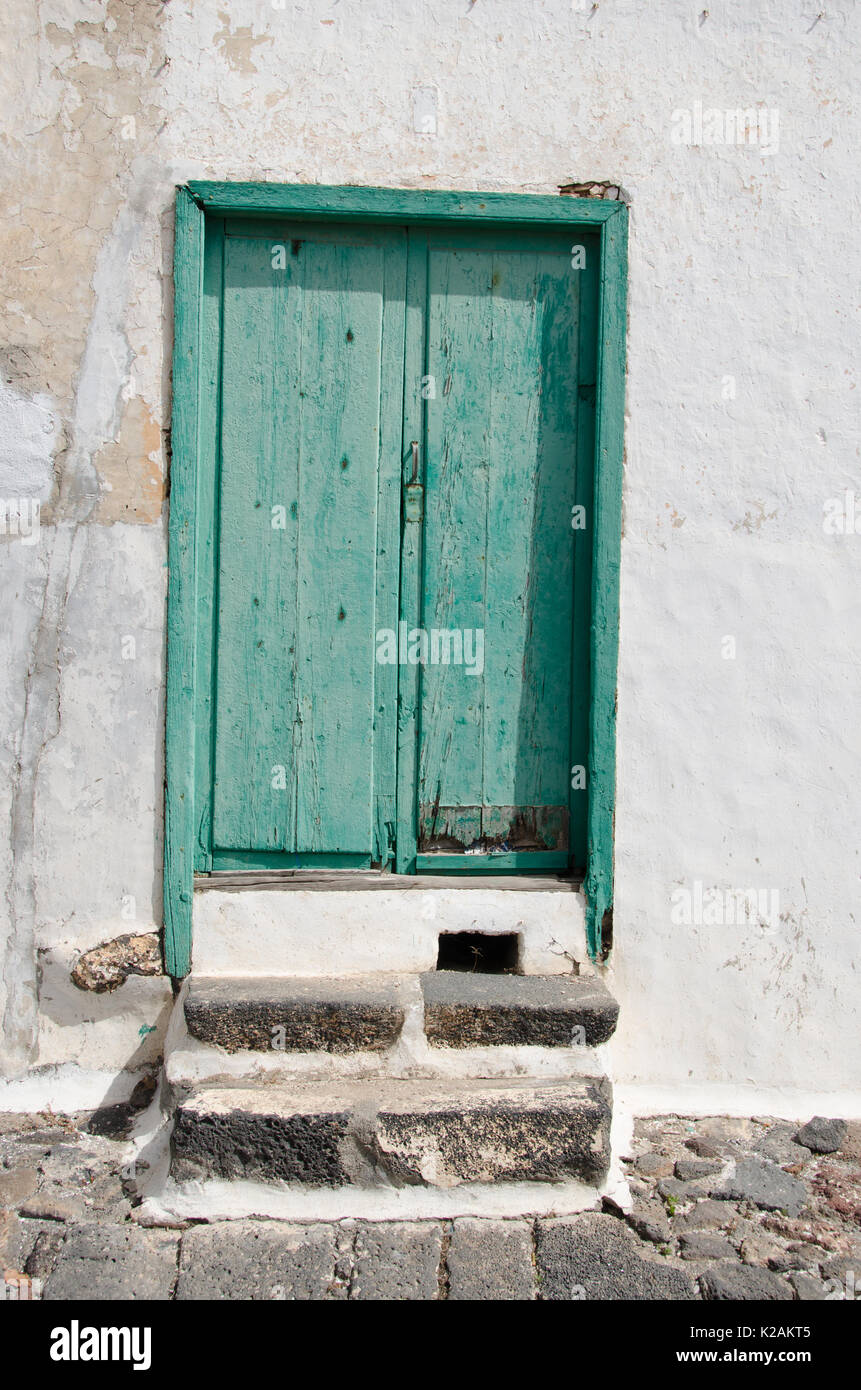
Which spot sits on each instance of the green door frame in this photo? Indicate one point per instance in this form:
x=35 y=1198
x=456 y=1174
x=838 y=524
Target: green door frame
x=610 y=221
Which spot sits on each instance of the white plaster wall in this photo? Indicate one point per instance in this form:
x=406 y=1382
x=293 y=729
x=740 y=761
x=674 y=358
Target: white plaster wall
x=745 y=264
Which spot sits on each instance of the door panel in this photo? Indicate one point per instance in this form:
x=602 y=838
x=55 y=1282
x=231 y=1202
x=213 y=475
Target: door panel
x=332 y=347
x=310 y=327
x=503 y=329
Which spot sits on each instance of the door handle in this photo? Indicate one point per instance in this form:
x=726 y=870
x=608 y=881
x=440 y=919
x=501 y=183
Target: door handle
x=414 y=501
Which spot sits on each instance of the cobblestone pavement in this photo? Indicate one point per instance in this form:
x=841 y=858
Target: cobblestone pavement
x=723 y=1209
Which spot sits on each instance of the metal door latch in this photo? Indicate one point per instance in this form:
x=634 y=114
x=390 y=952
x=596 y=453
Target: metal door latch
x=414 y=495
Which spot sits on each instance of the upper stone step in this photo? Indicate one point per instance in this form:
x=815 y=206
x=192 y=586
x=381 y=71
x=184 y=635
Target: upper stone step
x=473 y=1010
x=358 y=1013
x=366 y=1013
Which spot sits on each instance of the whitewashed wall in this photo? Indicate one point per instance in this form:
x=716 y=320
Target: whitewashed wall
x=736 y=772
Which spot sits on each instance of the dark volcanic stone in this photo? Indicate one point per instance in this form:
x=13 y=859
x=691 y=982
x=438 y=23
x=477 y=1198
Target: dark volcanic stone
x=822 y=1136
x=767 y=1186
x=490 y=1261
x=741 y=1282
x=706 y=1214
x=295 y=1015
x=649 y=1220
x=779 y=1144
x=43 y=1256
x=595 y=1256
x=654 y=1165
x=256 y=1260
x=678 y=1191
x=115 y=1121
x=690 y=1169
x=244 y=1144
x=498 y=1133
x=698 y=1245
x=475 y=1010
x=808 y=1289
x=703 y=1147
x=396 y=1261
x=114 y=1262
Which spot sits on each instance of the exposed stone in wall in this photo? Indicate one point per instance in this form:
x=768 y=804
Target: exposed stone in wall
x=130 y=469
x=108 y=966
x=611 y=191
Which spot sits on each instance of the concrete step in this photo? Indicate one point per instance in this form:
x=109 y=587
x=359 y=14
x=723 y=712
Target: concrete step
x=472 y=1010
x=396 y=1134
x=366 y=1013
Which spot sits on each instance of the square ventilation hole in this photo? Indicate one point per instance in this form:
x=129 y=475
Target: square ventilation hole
x=484 y=953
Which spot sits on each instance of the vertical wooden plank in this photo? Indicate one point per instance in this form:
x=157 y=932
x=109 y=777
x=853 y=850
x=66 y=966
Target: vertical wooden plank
x=528 y=618
x=207 y=535
x=255 y=778
x=412 y=536
x=341 y=361
x=582 y=533
x=179 y=830
x=457 y=469
x=510 y=377
x=610 y=417
x=306 y=333
x=385 y=749
x=500 y=463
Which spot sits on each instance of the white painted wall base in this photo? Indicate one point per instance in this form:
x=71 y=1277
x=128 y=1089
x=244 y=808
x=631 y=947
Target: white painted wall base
x=716 y=1098
x=305 y=933
x=217 y=1200
x=67 y=1089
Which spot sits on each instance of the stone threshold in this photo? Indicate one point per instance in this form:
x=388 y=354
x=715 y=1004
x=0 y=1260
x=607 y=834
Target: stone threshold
x=346 y=879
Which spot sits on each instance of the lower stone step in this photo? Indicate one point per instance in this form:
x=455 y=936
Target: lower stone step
x=399 y=1133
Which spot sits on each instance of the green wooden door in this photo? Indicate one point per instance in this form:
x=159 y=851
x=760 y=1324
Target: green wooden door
x=398 y=666
x=501 y=587
x=306 y=563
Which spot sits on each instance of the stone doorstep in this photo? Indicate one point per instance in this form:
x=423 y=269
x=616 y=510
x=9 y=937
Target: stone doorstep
x=465 y=1009
x=366 y=1013
x=403 y=1133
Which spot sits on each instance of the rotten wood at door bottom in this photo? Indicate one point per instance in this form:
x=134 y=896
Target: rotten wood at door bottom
x=489 y=829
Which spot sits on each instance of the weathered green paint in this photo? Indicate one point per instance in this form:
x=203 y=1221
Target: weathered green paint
x=208 y=483
x=501 y=479
x=301 y=592
x=412 y=536
x=595 y=419
x=179 y=811
x=398 y=204
x=252 y=860
x=606 y=547
x=583 y=531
